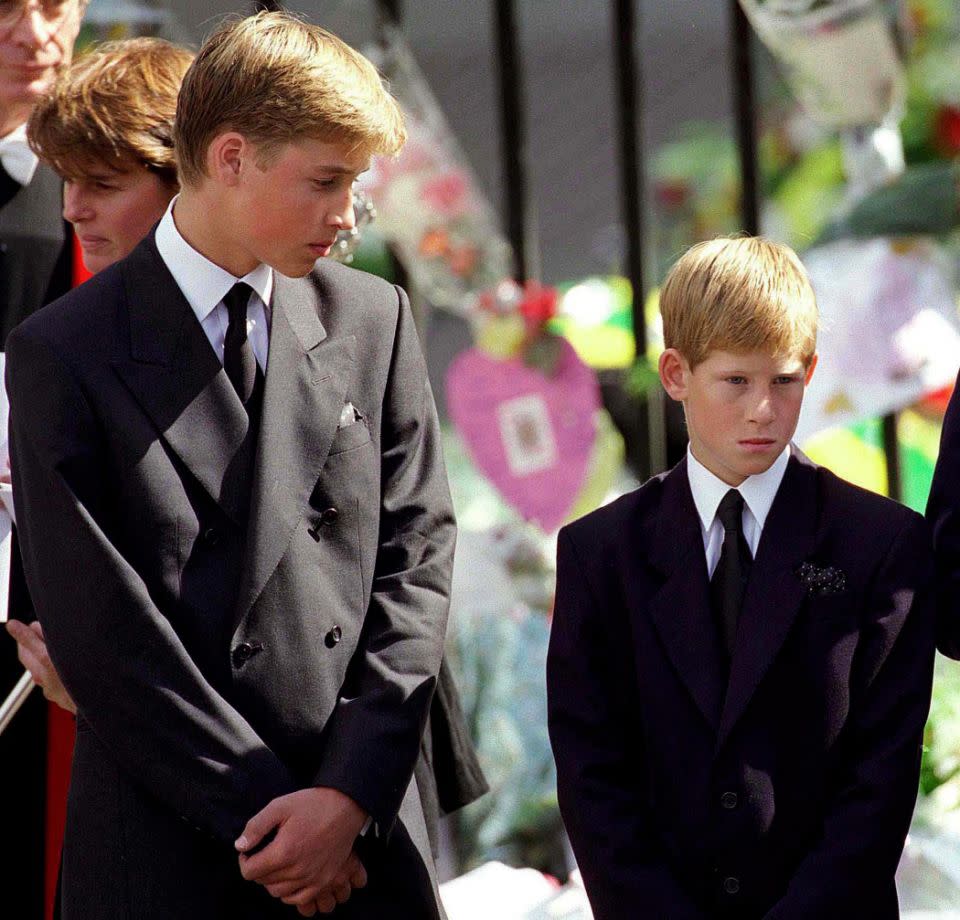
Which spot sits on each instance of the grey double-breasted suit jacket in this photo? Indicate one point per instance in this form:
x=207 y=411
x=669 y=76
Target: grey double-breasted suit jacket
x=217 y=665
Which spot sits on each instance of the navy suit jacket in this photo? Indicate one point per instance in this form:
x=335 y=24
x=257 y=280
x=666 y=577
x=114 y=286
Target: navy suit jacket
x=784 y=793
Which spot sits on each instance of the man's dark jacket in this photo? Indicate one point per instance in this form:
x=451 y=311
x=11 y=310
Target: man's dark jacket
x=217 y=664
x=35 y=268
x=787 y=792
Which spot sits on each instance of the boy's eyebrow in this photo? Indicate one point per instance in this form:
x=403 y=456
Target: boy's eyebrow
x=97 y=175
x=734 y=370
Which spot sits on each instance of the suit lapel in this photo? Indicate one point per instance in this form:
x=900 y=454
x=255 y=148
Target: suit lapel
x=176 y=377
x=307 y=376
x=774 y=593
x=680 y=609
x=9 y=187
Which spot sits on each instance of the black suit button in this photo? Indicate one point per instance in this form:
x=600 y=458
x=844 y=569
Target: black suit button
x=244 y=652
x=731 y=885
x=333 y=637
x=729 y=800
x=211 y=536
x=329 y=516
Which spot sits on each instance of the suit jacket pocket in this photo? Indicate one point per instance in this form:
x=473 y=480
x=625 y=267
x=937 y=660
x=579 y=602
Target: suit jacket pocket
x=355 y=435
x=833 y=606
x=832 y=627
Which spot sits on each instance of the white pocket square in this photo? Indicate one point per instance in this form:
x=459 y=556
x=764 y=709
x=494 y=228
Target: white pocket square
x=348 y=416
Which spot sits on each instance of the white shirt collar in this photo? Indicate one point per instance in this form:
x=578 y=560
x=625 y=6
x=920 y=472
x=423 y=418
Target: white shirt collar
x=758 y=491
x=204 y=284
x=18 y=159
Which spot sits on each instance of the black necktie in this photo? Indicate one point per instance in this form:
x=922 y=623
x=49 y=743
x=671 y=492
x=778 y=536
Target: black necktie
x=239 y=361
x=730 y=576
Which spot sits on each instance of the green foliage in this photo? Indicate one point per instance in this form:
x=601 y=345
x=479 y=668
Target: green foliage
x=941 y=754
x=643 y=377
x=812 y=191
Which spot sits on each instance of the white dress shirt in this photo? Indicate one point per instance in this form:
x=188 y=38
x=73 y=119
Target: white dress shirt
x=18 y=159
x=205 y=284
x=758 y=494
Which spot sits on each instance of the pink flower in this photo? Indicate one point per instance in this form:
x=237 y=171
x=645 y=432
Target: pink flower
x=446 y=193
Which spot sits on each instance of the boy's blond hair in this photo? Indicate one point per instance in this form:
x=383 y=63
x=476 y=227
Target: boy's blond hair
x=113 y=107
x=739 y=294
x=275 y=79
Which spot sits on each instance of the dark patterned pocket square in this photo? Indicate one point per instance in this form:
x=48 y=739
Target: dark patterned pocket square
x=821 y=581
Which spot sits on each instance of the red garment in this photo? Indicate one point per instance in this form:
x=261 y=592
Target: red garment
x=60 y=738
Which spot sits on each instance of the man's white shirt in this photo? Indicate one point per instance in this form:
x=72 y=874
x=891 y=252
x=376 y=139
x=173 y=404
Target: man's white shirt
x=205 y=284
x=17 y=158
x=758 y=494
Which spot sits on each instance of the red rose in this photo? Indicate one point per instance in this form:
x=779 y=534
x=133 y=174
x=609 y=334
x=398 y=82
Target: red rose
x=539 y=304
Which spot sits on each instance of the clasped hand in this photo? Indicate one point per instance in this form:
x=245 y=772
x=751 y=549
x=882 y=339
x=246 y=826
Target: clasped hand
x=310 y=863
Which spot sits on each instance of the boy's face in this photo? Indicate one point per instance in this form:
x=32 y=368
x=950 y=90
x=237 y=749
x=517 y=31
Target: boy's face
x=289 y=213
x=112 y=210
x=741 y=409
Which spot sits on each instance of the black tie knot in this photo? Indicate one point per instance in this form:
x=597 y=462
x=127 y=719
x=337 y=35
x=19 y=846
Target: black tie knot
x=730 y=511
x=236 y=301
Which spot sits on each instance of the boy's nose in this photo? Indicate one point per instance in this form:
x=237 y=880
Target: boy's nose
x=763 y=409
x=344 y=217
x=74 y=205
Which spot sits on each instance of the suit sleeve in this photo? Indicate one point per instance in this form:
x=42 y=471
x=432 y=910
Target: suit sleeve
x=591 y=697
x=872 y=798
x=118 y=656
x=375 y=731
x=943 y=513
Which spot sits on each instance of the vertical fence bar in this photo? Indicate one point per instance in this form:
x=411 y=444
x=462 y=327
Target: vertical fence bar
x=391 y=11
x=891 y=451
x=629 y=128
x=514 y=141
x=629 y=89
x=745 y=119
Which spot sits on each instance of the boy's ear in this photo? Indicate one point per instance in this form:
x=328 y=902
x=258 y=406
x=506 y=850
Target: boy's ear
x=674 y=369
x=225 y=157
x=811 y=367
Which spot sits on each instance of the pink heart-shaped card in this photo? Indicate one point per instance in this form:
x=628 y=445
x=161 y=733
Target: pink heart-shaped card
x=531 y=435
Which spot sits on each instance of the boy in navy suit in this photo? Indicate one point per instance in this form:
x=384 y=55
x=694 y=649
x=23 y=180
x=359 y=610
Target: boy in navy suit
x=742 y=649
